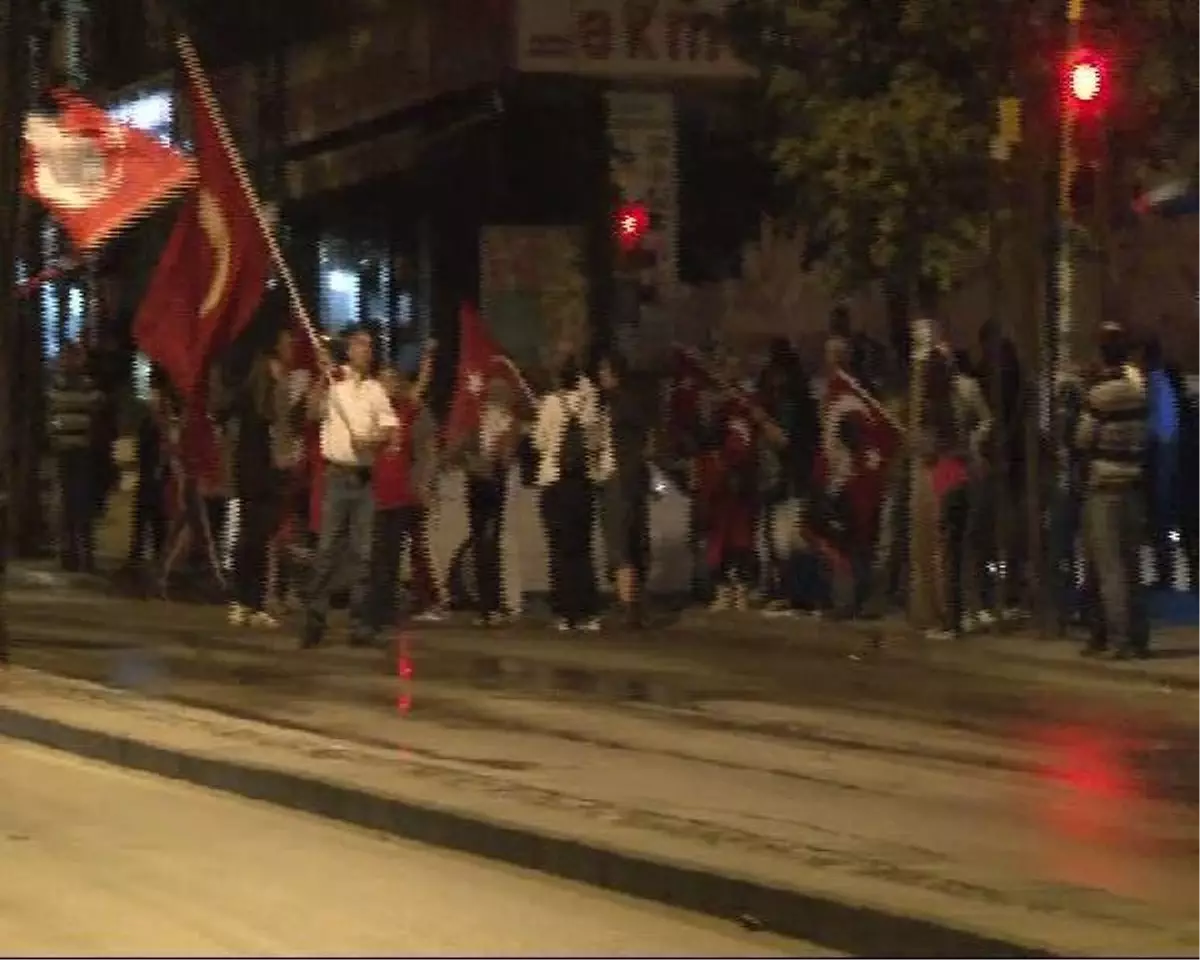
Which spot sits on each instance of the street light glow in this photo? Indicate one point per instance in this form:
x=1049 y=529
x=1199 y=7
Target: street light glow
x=1086 y=81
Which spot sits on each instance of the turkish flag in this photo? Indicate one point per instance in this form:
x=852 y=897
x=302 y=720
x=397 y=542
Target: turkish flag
x=93 y=174
x=859 y=442
x=213 y=270
x=480 y=360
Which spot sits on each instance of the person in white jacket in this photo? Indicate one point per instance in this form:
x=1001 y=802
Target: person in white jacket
x=568 y=436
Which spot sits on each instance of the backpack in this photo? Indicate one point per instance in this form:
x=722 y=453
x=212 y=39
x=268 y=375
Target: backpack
x=573 y=452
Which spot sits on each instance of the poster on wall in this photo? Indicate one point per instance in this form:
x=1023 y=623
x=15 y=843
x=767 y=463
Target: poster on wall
x=641 y=130
x=533 y=291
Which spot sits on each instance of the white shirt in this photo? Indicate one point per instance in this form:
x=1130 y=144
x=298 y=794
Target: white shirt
x=552 y=415
x=357 y=413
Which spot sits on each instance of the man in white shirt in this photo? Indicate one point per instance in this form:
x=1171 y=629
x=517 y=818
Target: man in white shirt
x=356 y=419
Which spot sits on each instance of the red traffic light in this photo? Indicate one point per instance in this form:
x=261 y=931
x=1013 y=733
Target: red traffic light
x=631 y=223
x=1085 y=79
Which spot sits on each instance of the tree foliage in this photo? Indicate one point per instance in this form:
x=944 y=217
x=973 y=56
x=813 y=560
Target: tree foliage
x=883 y=113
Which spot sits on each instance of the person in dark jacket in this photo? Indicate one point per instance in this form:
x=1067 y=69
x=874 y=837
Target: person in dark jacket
x=149 y=528
x=785 y=393
x=487 y=456
x=74 y=405
x=269 y=447
x=625 y=489
x=1066 y=510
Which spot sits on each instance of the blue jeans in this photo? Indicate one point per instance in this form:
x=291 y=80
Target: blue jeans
x=343 y=555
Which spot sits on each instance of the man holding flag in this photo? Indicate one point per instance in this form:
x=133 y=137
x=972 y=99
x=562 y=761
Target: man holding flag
x=482 y=433
x=357 y=419
x=858 y=441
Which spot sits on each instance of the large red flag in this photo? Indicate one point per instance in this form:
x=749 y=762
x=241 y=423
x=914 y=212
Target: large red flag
x=480 y=360
x=93 y=174
x=859 y=441
x=213 y=270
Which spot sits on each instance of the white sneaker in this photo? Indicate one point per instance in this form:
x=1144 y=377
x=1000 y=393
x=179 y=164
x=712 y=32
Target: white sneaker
x=562 y=626
x=986 y=619
x=969 y=624
x=589 y=626
x=263 y=620
x=432 y=615
x=238 y=615
x=938 y=635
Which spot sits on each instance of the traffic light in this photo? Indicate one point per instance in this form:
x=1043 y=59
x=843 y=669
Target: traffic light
x=631 y=223
x=1085 y=82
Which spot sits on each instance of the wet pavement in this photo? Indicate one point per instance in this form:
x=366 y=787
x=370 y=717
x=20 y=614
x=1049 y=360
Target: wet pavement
x=1028 y=796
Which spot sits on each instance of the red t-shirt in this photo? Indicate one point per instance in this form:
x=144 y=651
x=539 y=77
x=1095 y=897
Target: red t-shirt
x=392 y=475
x=949 y=473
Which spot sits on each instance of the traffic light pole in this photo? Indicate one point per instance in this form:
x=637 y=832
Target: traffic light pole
x=1068 y=162
x=16 y=23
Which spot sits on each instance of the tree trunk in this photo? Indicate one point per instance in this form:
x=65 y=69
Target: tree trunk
x=15 y=24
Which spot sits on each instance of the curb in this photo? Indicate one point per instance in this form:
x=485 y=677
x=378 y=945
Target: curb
x=853 y=929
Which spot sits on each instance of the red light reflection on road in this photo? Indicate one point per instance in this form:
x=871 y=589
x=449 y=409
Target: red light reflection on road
x=404 y=673
x=1101 y=826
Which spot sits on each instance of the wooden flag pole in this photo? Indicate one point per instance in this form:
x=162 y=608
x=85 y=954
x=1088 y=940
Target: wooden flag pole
x=196 y=73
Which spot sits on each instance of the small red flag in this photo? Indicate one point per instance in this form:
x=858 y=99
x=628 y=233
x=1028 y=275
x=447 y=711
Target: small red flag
x=96 y=175
x=480 y=360
x=857 y=469
x=213 y=270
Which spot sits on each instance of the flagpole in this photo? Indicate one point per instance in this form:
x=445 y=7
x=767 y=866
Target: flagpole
x=196 y=73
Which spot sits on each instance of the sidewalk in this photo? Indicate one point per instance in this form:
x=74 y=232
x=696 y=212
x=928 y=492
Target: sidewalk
x=872 y=836
x=696 y=657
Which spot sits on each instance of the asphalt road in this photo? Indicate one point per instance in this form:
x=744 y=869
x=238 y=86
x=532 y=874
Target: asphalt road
x=98 y=861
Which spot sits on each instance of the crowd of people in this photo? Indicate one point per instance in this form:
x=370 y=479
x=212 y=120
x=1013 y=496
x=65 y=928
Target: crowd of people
x=843 y=487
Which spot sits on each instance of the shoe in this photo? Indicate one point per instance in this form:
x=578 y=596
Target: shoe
x=588 y=626
x=563 y=626
x=238 y=616
x=740 y=598
x=969 y=624
x=262 y=620
x=986 y=619
x=722 y=600
x=314 y=633
x=940 y=635
x=432 y=615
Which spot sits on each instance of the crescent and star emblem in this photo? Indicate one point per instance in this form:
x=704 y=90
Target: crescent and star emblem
x=837 y=454
x=216 y=229
x=72 y=170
